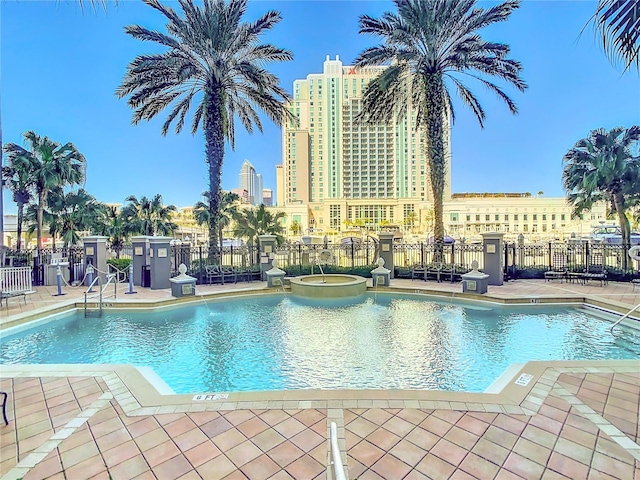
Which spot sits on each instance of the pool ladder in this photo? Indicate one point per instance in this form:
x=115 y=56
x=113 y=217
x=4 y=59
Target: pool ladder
x=96 y=281
x=626 y=315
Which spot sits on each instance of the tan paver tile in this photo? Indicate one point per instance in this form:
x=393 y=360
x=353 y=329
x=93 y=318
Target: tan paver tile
x=285 y=453
x=202 y=453
x=110 y=440
x=151 y=439
x=532 y=451
x=216 y=469
x=361 y=427
x=161 y=453
x=229 y=439
x=78 y=454
x=574 y=451
x=408 y=453
x=385 y=440
x=568 y=466
x=523 y=467
x=449 y=452
x=461 y=437
x=179 y=426
x=449 y=416
x=377 y=415
x=310 y=416
x=541 y=437
x=243 y=453
x=268 y=439
x=611 y=466
x=190 y=439
x=46 y=468
x=436 y=425
x=305 y=467
x=398 y=426
x=274 y=417
x=261 y=468
x=479 y=467
x=412 y=415
x=252 y=427
x=509 y=424
x=128 y=469
x=307 y=440
x=473 y=425
x=172 y=468
x=289 y=428
x=491 y=451
x=389 y=467
x=435 y=468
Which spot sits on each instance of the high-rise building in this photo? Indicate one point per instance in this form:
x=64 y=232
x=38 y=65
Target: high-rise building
x=267 y=197
x=279 y=185
x=329 y=155
x=257 y=195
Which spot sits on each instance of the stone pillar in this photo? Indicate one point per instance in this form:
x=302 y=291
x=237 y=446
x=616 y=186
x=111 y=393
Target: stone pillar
x=386 y=251
x=267 y=245
x=140 y=258
x=493 y=257
x=160 y=262
x=95 y=253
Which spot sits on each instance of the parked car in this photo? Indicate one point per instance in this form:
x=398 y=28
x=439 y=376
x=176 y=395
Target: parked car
x=612 y=234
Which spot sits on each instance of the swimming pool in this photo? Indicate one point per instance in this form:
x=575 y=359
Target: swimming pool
x=276 y=342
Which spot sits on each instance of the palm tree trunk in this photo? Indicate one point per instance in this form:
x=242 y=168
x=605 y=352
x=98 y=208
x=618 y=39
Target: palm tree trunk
x=39 y=215
x=618 y=201
x=20 y=220
x=214 y=152
x=436 y=156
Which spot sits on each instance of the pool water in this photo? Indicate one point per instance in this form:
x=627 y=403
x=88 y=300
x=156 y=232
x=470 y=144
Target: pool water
x=275 y=342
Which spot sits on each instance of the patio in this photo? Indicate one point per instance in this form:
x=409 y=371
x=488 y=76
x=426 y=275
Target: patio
x=576 y=420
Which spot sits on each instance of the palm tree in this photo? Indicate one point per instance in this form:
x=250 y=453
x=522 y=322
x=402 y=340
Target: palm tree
x=227 y=210
x=69 y=214
x=17 y=176
x=603 y=168
x=426 y=44
x=149 y=216
x=252 y=222
x=618 y=22
x=54 y=166
x=296 y=227
x=110 y=222
x=214 y=55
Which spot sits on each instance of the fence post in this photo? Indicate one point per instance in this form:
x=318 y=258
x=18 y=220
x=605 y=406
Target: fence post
x=200 y=264
x=587 y=256
x=353 y=253
x=550 y=262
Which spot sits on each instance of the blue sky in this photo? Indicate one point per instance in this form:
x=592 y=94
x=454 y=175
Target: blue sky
x=60 y=69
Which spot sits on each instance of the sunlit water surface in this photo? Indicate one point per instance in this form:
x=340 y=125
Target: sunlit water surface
x=280 y=342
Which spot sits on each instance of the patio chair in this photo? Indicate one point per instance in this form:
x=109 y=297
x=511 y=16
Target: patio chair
x=596 y=272
x=214 y=272
x=417 y=271
x=555 y=274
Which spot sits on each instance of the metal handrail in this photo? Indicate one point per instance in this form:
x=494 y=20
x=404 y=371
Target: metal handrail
x=94 y=282
x=626 y=315
x=336 y=458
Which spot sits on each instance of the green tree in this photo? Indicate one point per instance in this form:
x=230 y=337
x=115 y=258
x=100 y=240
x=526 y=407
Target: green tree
x=618 y=22
x=17 y=177
x=425 y=43
x=252 y=222
x=69 y=214
x=53 y=166
x=603 y=168
x=213 y=54
x=149 y=216
x=226 y=211
x=110 y=222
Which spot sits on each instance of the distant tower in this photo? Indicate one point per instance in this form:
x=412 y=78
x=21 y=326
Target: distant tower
x=258 y=189
x=248 y=181
x=267 y=197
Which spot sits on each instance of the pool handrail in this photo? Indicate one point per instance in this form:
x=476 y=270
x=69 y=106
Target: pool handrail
x=94 y=282
x=626 y=315
x=336 y=458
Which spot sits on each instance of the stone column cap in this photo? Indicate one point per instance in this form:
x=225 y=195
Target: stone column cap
x=159 y=239
x=140 y=238
x=95 y=238
x=386 y=235
x=498 y=235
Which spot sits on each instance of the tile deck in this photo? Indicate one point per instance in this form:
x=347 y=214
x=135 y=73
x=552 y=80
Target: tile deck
x=576 y=420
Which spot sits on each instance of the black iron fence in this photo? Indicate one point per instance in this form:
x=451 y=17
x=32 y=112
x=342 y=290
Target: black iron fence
x=519 y=260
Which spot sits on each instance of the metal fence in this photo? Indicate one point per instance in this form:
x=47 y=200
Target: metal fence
x=519 y=260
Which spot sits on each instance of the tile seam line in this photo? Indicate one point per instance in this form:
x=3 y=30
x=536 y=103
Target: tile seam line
x=36 y=456
x=635 y=452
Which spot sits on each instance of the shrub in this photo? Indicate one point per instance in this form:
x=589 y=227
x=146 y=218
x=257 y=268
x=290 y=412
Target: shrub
x=121 y=264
